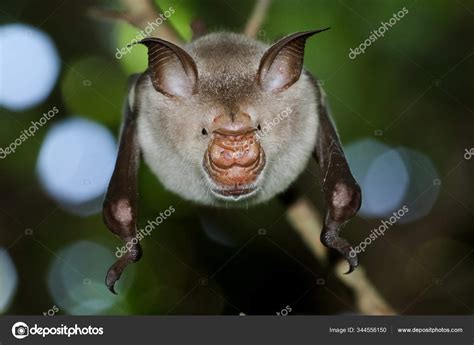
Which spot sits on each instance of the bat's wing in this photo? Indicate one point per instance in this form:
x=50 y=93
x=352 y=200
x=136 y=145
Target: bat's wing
x=341 y=191
x=120 y=204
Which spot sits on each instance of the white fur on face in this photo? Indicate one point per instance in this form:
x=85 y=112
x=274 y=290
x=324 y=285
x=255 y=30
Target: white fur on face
x=169 y=129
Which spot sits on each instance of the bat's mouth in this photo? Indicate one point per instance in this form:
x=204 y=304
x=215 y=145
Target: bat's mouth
x=235 y=193
x=233 y=162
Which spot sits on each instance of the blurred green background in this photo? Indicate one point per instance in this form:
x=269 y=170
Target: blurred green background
x=404 y=110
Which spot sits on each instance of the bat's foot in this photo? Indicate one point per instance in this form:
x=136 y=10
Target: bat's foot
x=116 y=270
x=331 y=240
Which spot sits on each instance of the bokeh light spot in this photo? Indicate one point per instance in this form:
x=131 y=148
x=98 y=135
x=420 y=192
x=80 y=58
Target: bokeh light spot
x=382 y=175
x=391 y=178
x=75 y=163
x=384 y=185
x=8 y=280
x=76 y=279
x=422 y=192
x=29 y=66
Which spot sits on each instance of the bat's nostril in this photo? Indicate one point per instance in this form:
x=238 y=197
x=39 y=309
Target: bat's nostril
x=234 y=131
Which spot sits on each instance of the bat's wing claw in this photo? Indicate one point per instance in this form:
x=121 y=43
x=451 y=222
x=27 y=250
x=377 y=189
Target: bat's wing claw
x=115 y=271
x=112 y=276
x=111 y=287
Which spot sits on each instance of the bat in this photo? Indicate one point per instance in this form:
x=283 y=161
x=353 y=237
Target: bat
x=204 y=118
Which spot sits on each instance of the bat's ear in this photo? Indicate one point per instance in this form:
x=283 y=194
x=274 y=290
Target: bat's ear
x=173 y=71
x=281 y=65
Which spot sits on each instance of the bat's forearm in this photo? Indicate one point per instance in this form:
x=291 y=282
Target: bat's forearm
x=120 y=204
x=341 y=191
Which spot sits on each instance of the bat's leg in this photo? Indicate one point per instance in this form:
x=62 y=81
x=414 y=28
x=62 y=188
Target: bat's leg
x=120 y=204
x=341 y=191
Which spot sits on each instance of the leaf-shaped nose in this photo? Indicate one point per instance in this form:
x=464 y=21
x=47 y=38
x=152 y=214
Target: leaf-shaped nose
x=234 y=148
x=234 y=160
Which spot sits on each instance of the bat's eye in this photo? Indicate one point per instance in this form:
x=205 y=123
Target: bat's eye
x=259 y=127
x=204 y=131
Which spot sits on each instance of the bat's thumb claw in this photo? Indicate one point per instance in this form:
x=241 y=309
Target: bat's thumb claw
x=112 y=276
x=112 y=289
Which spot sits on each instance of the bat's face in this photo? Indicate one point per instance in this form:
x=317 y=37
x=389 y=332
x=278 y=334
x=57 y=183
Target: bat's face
x=228 y=121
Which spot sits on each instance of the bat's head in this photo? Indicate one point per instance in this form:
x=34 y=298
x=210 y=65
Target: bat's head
x=227 y=118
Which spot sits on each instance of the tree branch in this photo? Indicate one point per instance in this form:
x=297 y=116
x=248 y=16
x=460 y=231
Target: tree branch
x=257 y=17
x=140 y=13
x=307 y=222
